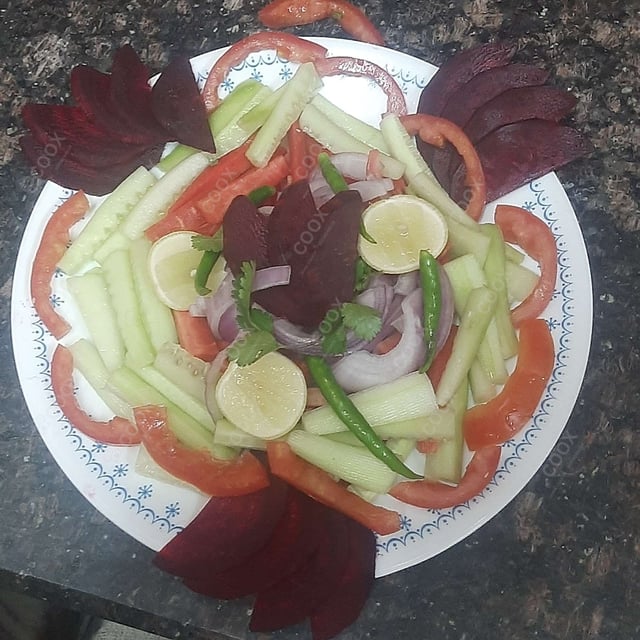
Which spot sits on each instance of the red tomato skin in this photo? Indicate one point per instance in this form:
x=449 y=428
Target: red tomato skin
x=117 y=431
x=288 y=46
x=53 y=244
x=219 y=478
x=318 y=484
x=521 y=227
x=436 y=495
x=437 y=131
x=505 y=415
x=194 y=335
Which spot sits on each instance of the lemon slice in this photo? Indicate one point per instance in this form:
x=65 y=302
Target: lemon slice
x=264 y=399
x=402 y=226
x=172 y=265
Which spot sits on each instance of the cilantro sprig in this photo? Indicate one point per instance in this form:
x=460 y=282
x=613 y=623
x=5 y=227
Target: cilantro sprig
x=258 y=339
x=363 y=321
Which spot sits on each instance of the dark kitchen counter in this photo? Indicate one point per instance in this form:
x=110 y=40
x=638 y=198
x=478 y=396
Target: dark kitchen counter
x=561 y=561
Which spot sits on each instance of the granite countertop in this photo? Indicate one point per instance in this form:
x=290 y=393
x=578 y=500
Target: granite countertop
x=561 y=560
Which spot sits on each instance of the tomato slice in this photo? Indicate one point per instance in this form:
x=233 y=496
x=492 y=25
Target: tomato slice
x=521 y=227
x=117 y=431
x=194 y=336
x=287 y=46
x=300 y=156
x=318 y=484
x=435 y=495
x=287 y=13
x=438 y=131
x=502 y=417
x=220 y=478
x=53 y=244
x=348 y=66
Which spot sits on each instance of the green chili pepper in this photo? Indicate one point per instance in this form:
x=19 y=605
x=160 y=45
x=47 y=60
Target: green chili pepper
x=206 y=264
x=259 y=195
x=333 y=177
x=431 y=303
x=340 y=402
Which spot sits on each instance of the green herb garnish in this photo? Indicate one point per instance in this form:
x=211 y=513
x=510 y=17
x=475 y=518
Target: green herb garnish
x=363 y=321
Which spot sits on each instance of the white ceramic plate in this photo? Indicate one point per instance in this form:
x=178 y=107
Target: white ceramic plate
x=153 y=511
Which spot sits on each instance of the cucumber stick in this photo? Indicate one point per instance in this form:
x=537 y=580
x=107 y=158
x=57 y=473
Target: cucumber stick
x=119 y=278
x=179 y=153
x=296 y=94
x=235 y=102
x=520 y=281
x=94 y=303
x=482 y=387
x=156 y=202
x=355 y=465
x=105 y=220
x=156 y=316
x=474 y=321
x=229 y=435
x=410 y=396
x=183 y=369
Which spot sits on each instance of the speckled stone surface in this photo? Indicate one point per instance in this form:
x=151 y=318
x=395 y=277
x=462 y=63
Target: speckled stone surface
x=561 y=561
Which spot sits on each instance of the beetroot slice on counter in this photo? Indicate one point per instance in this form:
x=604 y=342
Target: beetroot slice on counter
x=224 y=533
x=293 y=598
x=73 y=175
x=177 y=105
x=294 y=539
x=518 y=153
x=343 y=606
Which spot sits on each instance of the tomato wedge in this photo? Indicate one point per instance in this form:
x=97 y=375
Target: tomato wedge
x=348 y=66
x=435 y=495
x=503 y=416
x=318 y=484
x=300 y=157
x=53 y=244
x=194 y=336
x=521 y=227
x=287 y=46
x=437 y=131
x=287 y=13
x=117 y=431
x=220 y=478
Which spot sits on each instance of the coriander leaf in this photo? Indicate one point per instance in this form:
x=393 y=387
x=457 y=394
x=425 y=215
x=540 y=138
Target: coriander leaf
x=364 y=321
x=262 y=320
x=335 y=342
x=242 y=286
x=207 y=243
x=252 y=346
x=331 y=321
x=363 y=273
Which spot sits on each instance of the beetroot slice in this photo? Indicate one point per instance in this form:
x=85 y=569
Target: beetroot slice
x=73 y=175
x=322 y=257
x=130 y=94
x=224 y=533
x=91 y=90
x=293 y=598
x=177 y=105
x=294 y=539
x=344 y=604
x=245 y=234
x=518 y=153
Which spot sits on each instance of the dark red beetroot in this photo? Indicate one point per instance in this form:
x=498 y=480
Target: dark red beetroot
x=518 y=153
x=344 y=604
x=472 y=95
x=73 y=175
x=244 y=230
x=294 y=539
x=177 y=105
x=224 y=533
x=294 y=598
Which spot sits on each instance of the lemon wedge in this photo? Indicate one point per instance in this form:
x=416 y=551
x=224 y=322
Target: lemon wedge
x=172 y=265
x=264 y=399
x=402 y=226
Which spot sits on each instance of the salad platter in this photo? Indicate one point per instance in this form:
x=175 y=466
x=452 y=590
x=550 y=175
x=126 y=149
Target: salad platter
x=152 y=509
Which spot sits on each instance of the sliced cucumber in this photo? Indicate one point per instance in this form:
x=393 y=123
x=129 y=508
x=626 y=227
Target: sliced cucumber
x=233 y=104
x=179 y=153
x=94 y=303
x=119 y=278
x=183 y=369
x=117 y=240
x=105 y=220
x=156 y=316
x=155 y=203
x=252 y=119
x=482 y=387
x=521 y=281
x=296 y=94
x=229 y=435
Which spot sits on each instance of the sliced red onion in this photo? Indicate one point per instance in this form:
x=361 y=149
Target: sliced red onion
x=351 y=165
x=228 y=325
x=199 y=308
x=218 y=303
x=407 y=282
x=370 y=189
x=321 y=195
x=446 y=310
x=293 y=337
x=271 y=277
x=361 y=370
x=266 y=210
